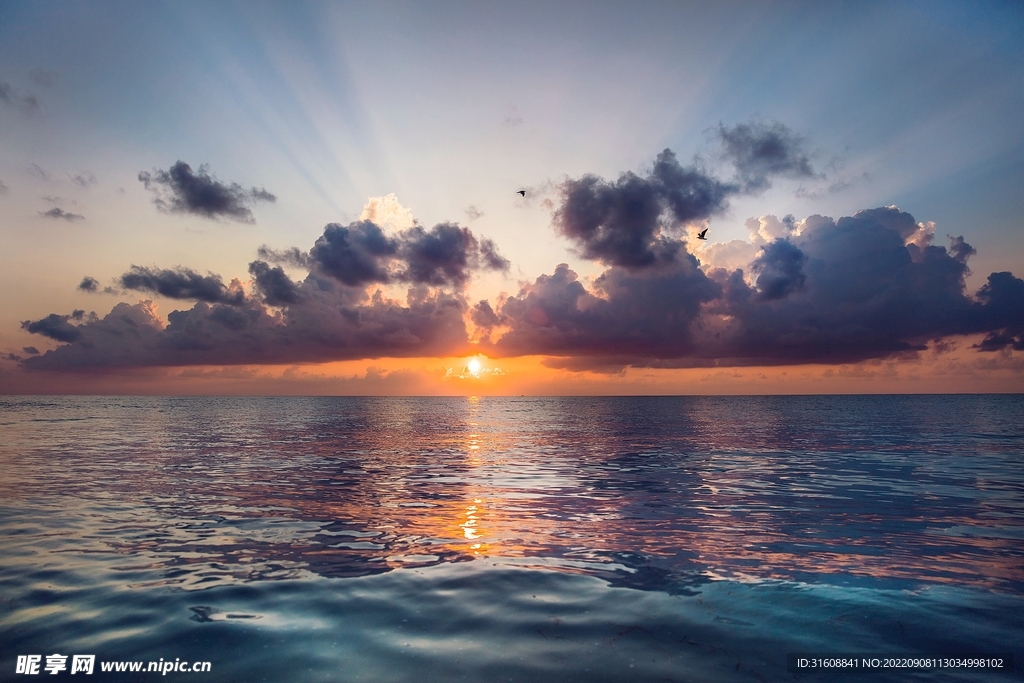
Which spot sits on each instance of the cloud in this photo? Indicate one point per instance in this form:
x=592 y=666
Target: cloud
x=357 y=254
x=55 y=327
x=473 y=213
x=326 y=326
x=180 y=190
x=779 y=269
x=39 y=172
x=332 y=314
x=626 y=223
x=445 y=255
x=362 y=253
x=864 y=287
x=289 y=257
x=492 y=260
x=3 y=188
x=828 y=292
x=388 y=213
x=58 y=213
x=84 y=179
x=31 y=350
x=762 y=150
x=89 y=284
x=24 y=102
x=275 y=286
x=182 y=283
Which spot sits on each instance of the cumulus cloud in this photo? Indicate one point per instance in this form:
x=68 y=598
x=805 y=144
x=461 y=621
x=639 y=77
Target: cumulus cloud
x=274 y=284
x=819 y=290
x=181 y=190
x=54 y=326
x=388 y=213
x=183 y=283
x=827 y=292
x=779 y=269
x=31 y=350
x=762 y=150
x=357 y=254
x=624 y=223
x=324 y=327
x=89 y=284
x=362 y=253
x=59 y=214
x=636 y=221
x=334 y=313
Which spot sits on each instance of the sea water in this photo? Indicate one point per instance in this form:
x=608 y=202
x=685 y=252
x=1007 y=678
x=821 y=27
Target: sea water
x=509 y=539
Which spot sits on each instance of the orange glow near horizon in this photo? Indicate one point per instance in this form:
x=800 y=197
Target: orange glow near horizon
x=962 y=370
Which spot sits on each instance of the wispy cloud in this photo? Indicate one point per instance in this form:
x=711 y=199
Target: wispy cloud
x=23 y=101
x=59 y=214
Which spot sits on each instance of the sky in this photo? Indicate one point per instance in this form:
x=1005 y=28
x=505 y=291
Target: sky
x=323 y=198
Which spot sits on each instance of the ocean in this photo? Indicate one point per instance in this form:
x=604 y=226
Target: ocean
x=512 y=539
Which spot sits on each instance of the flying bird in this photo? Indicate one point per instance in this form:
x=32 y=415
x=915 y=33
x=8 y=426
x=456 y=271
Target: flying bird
x=522 y=192
x=702 y=233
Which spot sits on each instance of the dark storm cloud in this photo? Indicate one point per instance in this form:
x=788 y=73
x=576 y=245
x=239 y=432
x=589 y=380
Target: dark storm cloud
x=22 y=101
x=275 y=286
x=840 y=291
x=89 y=284
x=182 y=283
x=180 y=190
x=762 y=150
x=58 y=214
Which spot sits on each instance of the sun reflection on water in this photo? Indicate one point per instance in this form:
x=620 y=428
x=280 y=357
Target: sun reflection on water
x=344 y=488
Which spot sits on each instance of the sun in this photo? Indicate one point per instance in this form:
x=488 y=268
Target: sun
x=474 y=367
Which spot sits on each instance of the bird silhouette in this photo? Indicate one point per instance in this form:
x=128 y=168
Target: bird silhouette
x=522 y=192
x=702 y=233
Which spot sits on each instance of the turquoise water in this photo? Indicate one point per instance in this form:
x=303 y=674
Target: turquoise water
x=523 y=539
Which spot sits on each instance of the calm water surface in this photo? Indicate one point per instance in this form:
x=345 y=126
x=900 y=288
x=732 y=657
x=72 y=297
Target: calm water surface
x=522 y=539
